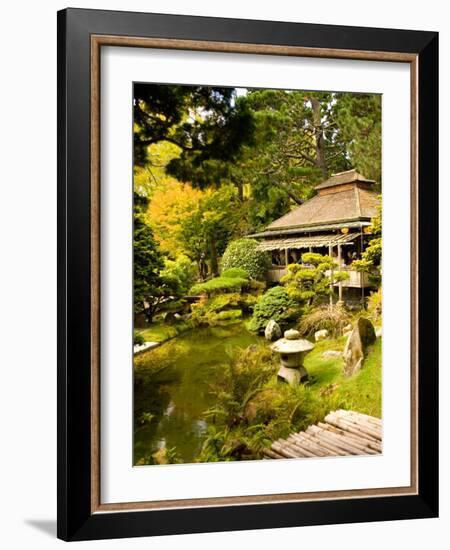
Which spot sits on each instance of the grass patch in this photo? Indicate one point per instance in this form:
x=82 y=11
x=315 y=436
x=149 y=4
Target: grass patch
x=325 y=370
x=362 y=392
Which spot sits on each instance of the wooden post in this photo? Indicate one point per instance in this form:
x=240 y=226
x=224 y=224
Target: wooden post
x=330 y=253
x=341 y=301
x=361 y=250
x=286 y=257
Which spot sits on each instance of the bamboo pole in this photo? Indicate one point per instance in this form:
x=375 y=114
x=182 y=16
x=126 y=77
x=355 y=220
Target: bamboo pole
x=355 y=440
x=270 y=453
x=372 y=419
x=362 y=424
x=313 y=447
x=341 y=423
x=335 y=439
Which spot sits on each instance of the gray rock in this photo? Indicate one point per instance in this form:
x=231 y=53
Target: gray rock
x=146 y=346
x=292 y=334
x=272 y=331
x=320 y=335
x=362 y=335
x=331 y=353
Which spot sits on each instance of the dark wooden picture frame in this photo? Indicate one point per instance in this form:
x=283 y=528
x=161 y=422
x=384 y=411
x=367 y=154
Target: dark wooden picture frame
x=81 y=34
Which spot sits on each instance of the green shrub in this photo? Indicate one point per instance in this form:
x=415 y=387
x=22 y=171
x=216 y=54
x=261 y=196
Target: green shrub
x=221 y=307
x=235 y=273
x=275 y=304
x=308 y=285
x=219 y=285
x=374 y=306
x=252 y=409
x=138 y=339
x=244 y=254
x=333 y=320
x=179 y=274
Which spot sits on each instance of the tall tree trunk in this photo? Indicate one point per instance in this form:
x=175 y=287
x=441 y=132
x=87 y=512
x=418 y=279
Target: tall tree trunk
x=320 y=140
x=240 y=188
x=214 y=260
x=237 y=181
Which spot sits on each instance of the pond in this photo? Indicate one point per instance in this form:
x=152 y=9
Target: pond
x=172 y=389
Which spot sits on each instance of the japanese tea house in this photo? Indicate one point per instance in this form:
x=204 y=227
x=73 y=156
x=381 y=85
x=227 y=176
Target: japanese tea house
x=336 y=221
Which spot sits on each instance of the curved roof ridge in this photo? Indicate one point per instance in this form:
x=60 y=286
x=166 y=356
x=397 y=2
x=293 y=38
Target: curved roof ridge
x=341 y=178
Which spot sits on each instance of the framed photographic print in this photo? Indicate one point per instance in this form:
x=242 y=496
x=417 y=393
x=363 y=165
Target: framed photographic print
x=247 y=274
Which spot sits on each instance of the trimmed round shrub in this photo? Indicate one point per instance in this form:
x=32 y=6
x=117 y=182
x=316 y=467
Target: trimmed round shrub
x=234 y=273
x=219 y=285
x=244 y=254
x=274 y=304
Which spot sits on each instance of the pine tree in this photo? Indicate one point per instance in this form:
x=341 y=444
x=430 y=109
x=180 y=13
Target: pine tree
x=149 y=291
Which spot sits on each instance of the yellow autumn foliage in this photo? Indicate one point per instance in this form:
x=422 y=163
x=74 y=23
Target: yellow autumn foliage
x=169 y=206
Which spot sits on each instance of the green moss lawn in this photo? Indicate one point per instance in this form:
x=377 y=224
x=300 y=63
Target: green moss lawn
x=160 y=332
x=361 y=392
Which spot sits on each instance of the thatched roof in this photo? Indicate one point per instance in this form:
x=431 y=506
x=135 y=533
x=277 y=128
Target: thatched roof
x=345 y=197
x=341 y=178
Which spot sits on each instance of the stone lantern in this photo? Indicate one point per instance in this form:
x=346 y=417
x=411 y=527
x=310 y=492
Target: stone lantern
x=292 y=350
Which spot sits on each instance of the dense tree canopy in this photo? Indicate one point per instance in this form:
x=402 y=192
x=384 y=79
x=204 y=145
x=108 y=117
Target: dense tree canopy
x=359 y=120
x=297 y=143
x=206 y=123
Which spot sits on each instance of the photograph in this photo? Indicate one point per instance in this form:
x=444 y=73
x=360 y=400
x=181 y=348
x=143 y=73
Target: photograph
x=257 y=274
x=247 y=272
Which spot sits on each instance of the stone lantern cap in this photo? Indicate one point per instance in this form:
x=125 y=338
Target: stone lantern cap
x=291 y=343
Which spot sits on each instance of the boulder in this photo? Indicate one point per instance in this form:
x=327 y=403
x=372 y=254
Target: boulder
x=320 y=335
x=272 y=331
x=331 y=353
x=362 y=336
